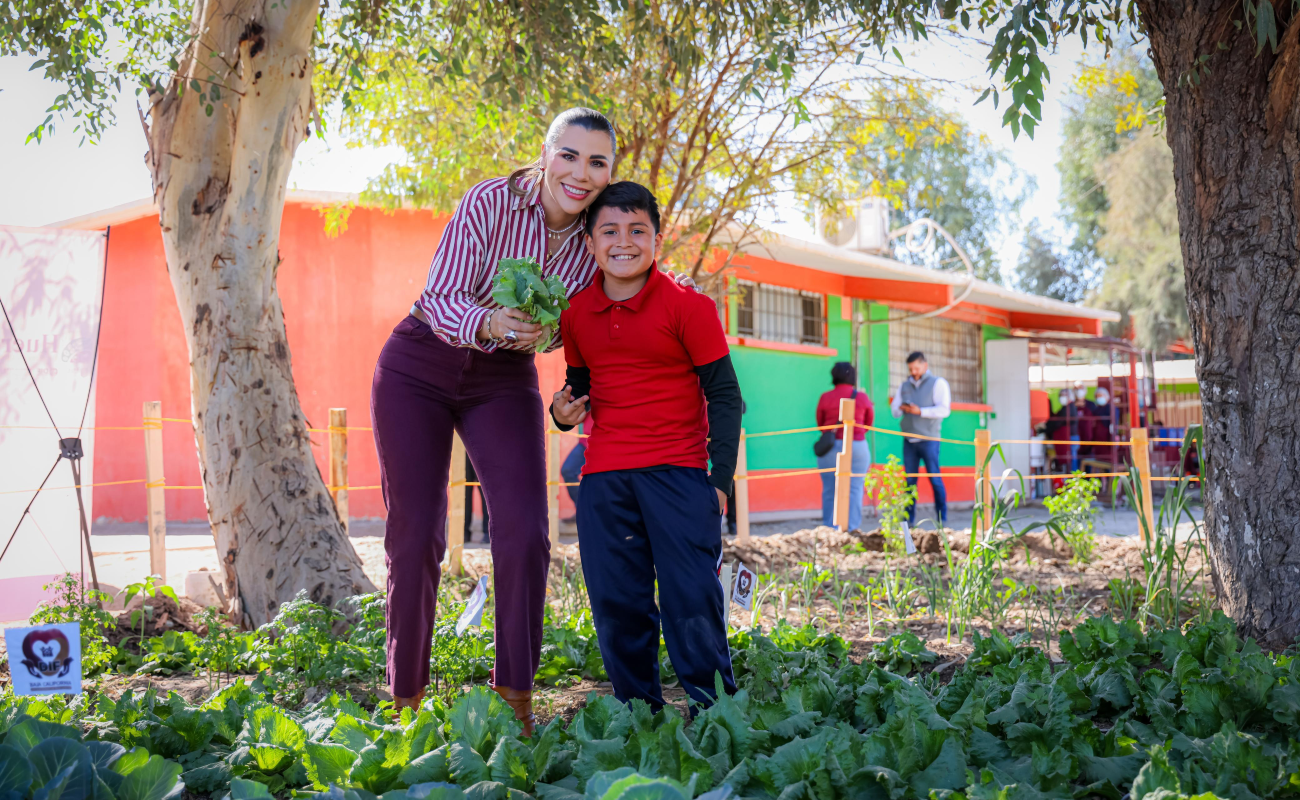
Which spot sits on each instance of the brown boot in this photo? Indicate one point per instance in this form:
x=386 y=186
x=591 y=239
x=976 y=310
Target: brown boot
x=522 y=703
x=412 y=703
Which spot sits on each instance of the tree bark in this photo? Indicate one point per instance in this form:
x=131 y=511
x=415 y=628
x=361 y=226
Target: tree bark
x=1235 y=136
x=219 y=181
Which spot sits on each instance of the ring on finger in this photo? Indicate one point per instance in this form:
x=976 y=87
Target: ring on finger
x=511 y=336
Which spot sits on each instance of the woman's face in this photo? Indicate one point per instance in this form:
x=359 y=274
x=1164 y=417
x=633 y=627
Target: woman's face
x=578 y=167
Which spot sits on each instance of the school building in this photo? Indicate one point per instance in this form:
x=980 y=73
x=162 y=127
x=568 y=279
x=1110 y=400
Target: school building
x=791 y=309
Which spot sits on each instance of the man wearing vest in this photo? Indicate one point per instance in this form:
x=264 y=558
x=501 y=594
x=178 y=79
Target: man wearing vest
x=921 y=403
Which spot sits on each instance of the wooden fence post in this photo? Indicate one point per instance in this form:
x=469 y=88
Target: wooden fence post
x=338 y=432
x=983 y=484
x=553 y=485
x=1142 y=460
x=844 y=466
x=456 y=510
x=154 y=492
x=742 y=493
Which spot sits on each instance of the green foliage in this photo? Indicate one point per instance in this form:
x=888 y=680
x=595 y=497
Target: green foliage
x=1159 y=713
x=519 y=283
x=1042 y=271
x=73 y=602
x=45 y=760
x=1073 y=511
x=570 y=651
x=902 y=653
x=893 y=497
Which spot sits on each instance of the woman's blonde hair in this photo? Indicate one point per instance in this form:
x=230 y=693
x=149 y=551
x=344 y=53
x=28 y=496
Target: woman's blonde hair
x=583 y=117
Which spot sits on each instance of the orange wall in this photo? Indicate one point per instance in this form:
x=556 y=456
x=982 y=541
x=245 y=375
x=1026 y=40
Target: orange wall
x=341 y=298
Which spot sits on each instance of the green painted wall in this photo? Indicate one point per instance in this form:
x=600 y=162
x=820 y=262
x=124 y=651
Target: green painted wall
x=781 y=391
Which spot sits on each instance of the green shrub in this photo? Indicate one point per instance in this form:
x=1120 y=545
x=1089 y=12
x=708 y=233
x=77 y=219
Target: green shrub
x=73 y=602
x=1072 y=511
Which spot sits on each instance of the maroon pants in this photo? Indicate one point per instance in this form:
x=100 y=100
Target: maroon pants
x=423 y=389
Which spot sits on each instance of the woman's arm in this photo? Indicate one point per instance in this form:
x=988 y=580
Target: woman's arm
x=450 y=298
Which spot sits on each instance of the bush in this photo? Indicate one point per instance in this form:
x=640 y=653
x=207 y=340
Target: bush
x=1073 y=514
x=73 y=602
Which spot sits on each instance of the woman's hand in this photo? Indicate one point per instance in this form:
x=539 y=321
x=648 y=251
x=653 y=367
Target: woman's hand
x=682 y=279
x=504 y=320
x=566 y=409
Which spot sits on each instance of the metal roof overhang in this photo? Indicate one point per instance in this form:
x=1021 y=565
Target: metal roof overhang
x=855 y=264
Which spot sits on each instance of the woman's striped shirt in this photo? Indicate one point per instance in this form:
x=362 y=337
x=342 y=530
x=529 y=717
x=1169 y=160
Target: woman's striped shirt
x=490 y=224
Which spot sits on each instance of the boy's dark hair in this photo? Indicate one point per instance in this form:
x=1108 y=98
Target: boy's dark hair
x=626 y=196
x=917 y=355
x=843 y=372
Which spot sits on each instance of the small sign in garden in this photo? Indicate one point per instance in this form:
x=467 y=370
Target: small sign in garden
x=742 y=593
x=45 y=659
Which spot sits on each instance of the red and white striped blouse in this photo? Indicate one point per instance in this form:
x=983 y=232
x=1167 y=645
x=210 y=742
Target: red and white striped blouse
x=490 y=224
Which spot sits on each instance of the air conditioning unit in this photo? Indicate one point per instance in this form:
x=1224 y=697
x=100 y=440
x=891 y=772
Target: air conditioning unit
x=864 y=227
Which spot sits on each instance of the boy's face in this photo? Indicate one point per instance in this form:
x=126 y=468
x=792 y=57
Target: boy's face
x=623 y=242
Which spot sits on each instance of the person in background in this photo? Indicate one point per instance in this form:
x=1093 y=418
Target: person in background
x=922 y=402
x=571 y=472
x=472 y=477
x=844 y=379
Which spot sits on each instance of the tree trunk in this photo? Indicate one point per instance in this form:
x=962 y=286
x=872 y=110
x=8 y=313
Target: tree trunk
x=1235 y=136
x=220 y=162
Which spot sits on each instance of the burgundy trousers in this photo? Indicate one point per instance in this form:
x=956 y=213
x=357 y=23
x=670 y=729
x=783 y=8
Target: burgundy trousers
x=424 y=389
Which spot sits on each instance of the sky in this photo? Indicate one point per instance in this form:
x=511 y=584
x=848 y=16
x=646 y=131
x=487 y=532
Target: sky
x=59 y=178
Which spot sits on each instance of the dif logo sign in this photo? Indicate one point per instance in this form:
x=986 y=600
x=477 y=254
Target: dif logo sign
x=45 y=659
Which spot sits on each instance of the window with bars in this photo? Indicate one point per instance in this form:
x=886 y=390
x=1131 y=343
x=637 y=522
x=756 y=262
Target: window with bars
x=953 y=349
x=778 y=314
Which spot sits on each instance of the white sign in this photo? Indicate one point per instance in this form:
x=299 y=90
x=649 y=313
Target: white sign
x=742 y=591
x=50 y=281
x=45 y=659
x=473 y=613
x=908 y=543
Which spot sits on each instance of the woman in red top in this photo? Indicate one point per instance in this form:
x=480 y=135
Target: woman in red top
x=845 y=378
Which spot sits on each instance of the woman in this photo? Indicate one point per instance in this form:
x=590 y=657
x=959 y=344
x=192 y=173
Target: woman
x=844 y=379
x=460 y=362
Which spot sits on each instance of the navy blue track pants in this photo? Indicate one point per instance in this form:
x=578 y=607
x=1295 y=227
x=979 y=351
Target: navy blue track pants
x=632 y=528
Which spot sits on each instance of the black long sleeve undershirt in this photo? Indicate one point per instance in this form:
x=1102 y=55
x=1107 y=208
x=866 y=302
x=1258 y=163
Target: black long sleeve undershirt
x=721 y=392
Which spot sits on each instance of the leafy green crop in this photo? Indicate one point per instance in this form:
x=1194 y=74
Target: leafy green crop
x=1157 y=714
x=519 y=284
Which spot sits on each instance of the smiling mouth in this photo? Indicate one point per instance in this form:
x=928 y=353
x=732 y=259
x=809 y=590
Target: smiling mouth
x=575 y=193
x=624 y=257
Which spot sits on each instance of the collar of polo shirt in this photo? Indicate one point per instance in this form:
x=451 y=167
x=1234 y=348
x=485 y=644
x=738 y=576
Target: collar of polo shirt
x=602 y=303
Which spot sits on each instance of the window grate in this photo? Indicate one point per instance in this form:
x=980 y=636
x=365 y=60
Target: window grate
x=953 y=350
x=778 y=314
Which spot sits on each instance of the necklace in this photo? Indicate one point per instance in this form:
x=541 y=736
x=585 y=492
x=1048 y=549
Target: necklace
x=557 y=234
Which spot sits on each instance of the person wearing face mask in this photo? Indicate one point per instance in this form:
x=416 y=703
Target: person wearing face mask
x=460 y=362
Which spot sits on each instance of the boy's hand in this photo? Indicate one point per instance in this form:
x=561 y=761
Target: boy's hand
x=722 y=500
x=568 y=410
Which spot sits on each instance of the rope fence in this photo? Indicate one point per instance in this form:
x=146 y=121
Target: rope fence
x=339 y=488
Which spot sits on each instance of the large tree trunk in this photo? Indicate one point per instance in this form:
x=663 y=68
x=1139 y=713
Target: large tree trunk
x=219 y=181
x=1235 y=133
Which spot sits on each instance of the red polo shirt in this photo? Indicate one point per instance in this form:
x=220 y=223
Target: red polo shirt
x=647 y=408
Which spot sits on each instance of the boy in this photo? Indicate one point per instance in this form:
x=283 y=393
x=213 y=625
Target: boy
x=648 y=355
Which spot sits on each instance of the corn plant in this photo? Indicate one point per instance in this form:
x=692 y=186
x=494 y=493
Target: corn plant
x=1169 y=587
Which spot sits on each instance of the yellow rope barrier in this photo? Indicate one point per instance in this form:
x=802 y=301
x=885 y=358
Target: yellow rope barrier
x=836 y=426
